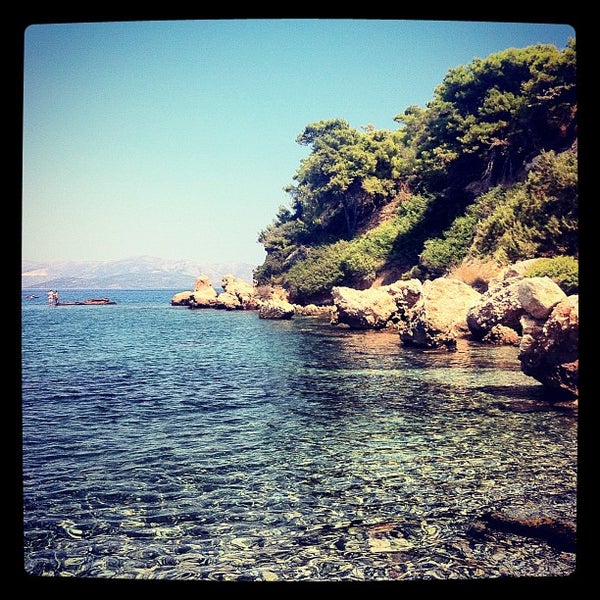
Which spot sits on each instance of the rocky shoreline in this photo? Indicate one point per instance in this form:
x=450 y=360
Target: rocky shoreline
x=532 y=313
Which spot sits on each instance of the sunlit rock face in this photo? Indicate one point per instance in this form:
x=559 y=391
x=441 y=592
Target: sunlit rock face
x=499 y=306
x=549 y=350
x=276 y=309
x=204 y=295
x=507 y=301
x=181 y=298
x=439 y=317
x=244 y=292
x=539 y=295
x=363 y=309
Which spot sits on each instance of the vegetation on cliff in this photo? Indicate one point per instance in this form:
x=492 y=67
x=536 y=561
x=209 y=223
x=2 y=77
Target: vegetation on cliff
x=487 y=170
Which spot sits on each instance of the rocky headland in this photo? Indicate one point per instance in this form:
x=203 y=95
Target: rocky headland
x=532 y=313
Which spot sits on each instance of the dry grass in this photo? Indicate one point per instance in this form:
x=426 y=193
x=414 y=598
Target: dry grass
x=476 y=273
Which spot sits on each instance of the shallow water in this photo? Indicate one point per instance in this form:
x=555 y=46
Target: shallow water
x=163 y=442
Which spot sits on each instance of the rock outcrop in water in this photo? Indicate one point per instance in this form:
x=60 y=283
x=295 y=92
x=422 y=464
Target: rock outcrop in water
x=242 y=294
x=363 y=309
x=532 y=313
x=202 y=296
x=439 y=317
x=539 y=314
x=276 y=309
x=549 y=350
x=237 y=294
x=508 y=300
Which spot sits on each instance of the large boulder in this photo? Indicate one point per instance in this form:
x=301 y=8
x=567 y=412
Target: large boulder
x=276 y=309
x=362 y=309
x=405 y=294
x=549 y=350
x=505 y=303
x=228 y=301
x=204 y=295
x=245 y=292
x=499 y=306
x=439 y=317
x=539 y=295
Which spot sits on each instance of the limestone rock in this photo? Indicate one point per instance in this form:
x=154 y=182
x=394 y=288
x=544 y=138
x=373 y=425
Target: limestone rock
x=502 y=336
x=312 y=310
x=204 y=295
x=276 y=309
x=439 y=317
x=228 y=301
x=181 y=298
x=500 y=305
x=245 y=292
x=532 y=329
x=405 y=293
x=550 y=352
x=202 y=283
x=362 y=309
x=539 y=295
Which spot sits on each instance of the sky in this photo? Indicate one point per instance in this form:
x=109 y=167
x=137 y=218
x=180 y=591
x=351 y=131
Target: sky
x=175 y=139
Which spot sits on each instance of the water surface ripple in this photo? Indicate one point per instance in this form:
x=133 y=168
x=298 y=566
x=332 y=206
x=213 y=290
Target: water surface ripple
x=160 y=442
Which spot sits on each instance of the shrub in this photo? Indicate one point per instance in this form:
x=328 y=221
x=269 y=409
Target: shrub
x=313 y=277
x=563 y=270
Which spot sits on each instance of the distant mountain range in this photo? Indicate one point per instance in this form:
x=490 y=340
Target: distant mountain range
x=137 y=273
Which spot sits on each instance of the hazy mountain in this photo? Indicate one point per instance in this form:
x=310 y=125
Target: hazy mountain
x=140 y=272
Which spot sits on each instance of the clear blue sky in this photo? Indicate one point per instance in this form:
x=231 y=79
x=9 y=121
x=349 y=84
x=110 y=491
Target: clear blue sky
x=175 y=139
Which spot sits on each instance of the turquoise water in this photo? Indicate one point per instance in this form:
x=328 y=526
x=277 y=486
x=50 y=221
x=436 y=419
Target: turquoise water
x=168 y=443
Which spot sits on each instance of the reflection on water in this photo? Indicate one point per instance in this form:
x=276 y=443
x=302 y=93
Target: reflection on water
x=219 y=446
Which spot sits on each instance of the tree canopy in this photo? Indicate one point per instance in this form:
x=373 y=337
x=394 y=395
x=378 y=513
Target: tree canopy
x=489 y=166
x=347 y=175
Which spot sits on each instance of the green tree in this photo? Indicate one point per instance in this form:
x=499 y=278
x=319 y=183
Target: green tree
x=489 y=118
x=347 y=176
x=481 y=172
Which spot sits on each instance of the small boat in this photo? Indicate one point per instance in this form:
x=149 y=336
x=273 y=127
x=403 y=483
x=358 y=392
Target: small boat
x=31 y=296
x=88 y=302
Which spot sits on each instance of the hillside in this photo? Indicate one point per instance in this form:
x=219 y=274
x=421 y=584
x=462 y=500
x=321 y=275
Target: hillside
x=142 y=272
x=487 y=172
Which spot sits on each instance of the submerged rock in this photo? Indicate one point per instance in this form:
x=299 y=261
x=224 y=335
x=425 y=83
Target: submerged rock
x=528 y=521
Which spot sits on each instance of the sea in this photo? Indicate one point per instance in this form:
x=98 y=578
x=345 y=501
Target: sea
x=161 y=442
